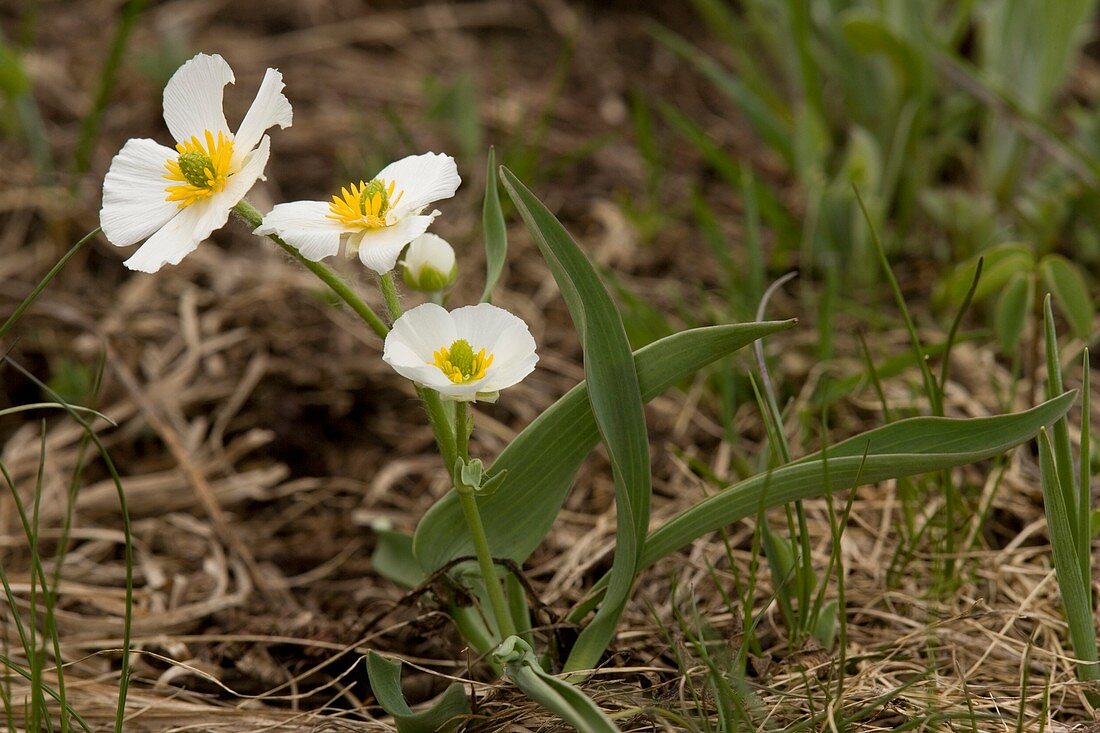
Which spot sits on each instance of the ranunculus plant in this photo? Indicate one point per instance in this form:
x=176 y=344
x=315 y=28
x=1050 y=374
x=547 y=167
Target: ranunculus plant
x=500 y=508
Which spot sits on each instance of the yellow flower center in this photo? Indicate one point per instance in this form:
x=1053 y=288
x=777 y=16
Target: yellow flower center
x=460 y=363
x=364 y=205
x=200 y=170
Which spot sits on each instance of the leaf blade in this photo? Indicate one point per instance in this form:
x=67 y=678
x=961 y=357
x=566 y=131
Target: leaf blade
x=616 y=399
x=903 y=448
x=496 y=234
x=444 y=714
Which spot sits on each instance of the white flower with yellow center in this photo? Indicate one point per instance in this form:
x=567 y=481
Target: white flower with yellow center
x=174 y=199
x=377 y=218
x=468 y=354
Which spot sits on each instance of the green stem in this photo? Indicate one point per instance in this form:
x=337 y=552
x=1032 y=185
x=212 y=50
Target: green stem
x=251 y=216
x=466 y=497
x=441 y=425
x=389 y=293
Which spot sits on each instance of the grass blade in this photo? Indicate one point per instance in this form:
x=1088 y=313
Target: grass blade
x=18 y=312
x=89 y=130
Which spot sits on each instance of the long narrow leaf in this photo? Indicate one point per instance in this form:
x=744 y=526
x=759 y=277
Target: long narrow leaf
x=616 y=399
x=1075 y=587
x=445 y=714
x=554 y=694
x=544 y=458
x=904 y=448
x=1063 y=452
x=496 y=235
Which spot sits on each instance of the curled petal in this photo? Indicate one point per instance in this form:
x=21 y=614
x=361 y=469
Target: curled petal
x=270 y=107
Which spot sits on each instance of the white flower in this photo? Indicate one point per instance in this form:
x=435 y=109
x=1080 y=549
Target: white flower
x=468 y=354
x=174 y=199
x=379 y=217
x=430 y=264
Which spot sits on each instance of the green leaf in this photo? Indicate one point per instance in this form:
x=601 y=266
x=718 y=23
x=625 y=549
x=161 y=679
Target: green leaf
x=1063 y=451
x=1000 y=263
x=1074 y=586
x=1013 y=305
x=496 y=235
x=904 y=448
x=780 y=558
x=554 y=694
x=393 y=558
x=444 y=714
x=1067 y=283
x=825 y=626
x=616 y=400
x=544 y=458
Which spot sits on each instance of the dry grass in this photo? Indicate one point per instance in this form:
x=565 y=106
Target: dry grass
x=260 y=434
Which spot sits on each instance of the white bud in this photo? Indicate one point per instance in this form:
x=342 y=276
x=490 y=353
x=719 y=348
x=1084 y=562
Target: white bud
x=430 y=264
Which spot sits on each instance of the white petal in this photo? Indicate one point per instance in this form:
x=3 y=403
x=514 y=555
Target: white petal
x=421 y=179
x=179 y=237
x=509 y=373
x=483 y=325
x=422 y=330
x=270 y=107
x=304 y=224
x=193 y=98
x=404 y=362
x=380 y=248
x=134 y=195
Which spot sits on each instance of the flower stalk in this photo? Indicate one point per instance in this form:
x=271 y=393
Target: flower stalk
x=468 y=501
x=251 y=216
x=460 y=456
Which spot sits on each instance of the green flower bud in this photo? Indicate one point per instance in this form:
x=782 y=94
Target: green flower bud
x=430 y=264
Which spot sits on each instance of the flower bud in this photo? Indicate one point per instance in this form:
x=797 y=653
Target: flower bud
x=430 y=264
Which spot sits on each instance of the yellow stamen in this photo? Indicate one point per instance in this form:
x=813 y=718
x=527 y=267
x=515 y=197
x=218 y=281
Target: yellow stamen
x=200 y=170
x=364 y=205
x=460 y=363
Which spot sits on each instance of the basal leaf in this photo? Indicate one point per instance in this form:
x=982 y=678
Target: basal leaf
x=445 y=714
x=568 y=702
x=904 y=448
x=393 y=558
x=616 y=400
x=1013 y=305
